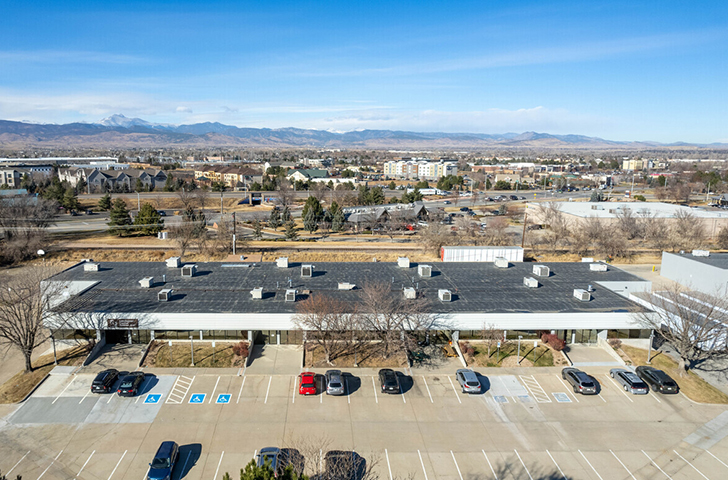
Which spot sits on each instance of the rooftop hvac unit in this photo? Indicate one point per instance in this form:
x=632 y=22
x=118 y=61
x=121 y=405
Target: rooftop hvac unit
x=306 y=271
x=290 y=295
x=346 y=286
x=410 y=293
x=582 y=295
x=530 y=282
x=701 y=253
x=403 y=262
x=587 y=259
x=282 y=262
x=445 y=295
x=424 y=270
x=501 y=262
x=165 y=295
x=598 y=267
x=146 y=282
x=541 y=270
x=257 y=292
x=189 y=270
x=174 y=262
x=90 y=267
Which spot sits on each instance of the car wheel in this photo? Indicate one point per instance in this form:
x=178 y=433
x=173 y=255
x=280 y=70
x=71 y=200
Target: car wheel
x=626 y=389
x=576 y=390
x=563 y=376
x=611 y=375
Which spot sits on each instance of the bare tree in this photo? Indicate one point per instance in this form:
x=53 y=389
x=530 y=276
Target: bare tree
x=656 y=231
x=434 y=236
x=490 y=335
x=286 y=195
x=23 y=225
x=629 y=224
x=688 y=230
x=327 y=320
x=693 y=323
x=324 y=462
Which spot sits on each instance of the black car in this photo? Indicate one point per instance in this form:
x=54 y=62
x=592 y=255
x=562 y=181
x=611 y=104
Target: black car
x=513 y=197
x=130 y=384
x=464 y=209
x=658 y=380
x=389 y=381
x=164 y=461
x=104 y=381
x=343 y=465
x=161 y=213
x=581 y=382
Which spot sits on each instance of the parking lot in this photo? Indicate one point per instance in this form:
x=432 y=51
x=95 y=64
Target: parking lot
x=528 y=426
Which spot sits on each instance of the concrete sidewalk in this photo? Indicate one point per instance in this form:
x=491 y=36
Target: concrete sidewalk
x=590 y=356
x=275 y=360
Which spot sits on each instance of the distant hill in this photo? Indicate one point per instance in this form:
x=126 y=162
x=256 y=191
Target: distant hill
x=118 y=131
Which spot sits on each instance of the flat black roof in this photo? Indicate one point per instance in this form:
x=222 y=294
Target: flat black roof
x=225 y=288
x=718 y=260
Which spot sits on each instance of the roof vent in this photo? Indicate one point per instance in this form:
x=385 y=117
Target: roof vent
x=346 y=286
x=174 y=262
x=701 y=253
x=257 y=292
x=90 y=267
x=424 y=270
x=501 y=262
x=403 y=262
x=165 y=295
x=445 y=295
x=541 y=270
x=587 y=259
x=282 y=262
x=189 y=270
x=598 y=267
x=306 y=271
x=146 y=282
x=290 y=295
x=582 y=295
x=410 y=293
x=530 y=282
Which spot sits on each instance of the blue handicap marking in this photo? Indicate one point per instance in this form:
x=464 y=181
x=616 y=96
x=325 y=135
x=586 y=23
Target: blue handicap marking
x=524 y=398
x=500 y=398
x=561 y=397
x=198 y=398
x=153 y=398
x=223 y=398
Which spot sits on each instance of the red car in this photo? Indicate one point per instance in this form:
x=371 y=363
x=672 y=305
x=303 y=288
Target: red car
x=307 y=384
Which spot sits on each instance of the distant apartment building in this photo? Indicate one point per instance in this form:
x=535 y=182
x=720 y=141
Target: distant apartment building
x=633 y=164
x=230 y=176
x=12 y=176
x=422 y=169
x=113 y=180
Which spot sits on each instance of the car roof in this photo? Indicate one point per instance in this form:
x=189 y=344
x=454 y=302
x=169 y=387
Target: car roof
x=269 y=450
x=165 y=449
x=308 y=374
x=631 y=376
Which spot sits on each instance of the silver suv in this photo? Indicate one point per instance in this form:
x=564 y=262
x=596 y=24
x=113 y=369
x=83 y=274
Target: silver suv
x=334 y=383
x=468 y=380
x=581 y=382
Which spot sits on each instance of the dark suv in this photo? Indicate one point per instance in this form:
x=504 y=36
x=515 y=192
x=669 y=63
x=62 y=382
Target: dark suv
x=163 y=463
x=389 y=381
x=581 y=382
x=130 y=384
x=658 y=380
x=104 y=381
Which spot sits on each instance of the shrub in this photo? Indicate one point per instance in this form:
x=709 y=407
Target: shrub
x=554 y=341
x=615 y=343
x=241 y=349
x=467 y=349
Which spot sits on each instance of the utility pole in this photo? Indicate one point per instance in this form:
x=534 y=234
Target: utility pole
x=221 y=205
x=523 y=237
x=139 y=205
x=234 y=232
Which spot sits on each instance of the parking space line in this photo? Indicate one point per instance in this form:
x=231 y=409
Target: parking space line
x=213 y=390
x=625 y=466
x=535 y=388
x=491 y=466
x=567 y=387
x=557 y=465
x=524 y=465
x=117 y=464
x=295 y=383
x=59 y=395
x=389 y=467
x=428 y=389
x=404 y=399
x=180 y=385
x=423 y=464
x=86 y=463
x=655 y=397
x=658 y=467
x=374 y=386
x=592 y=466
x=456 y=465
x=218 y=466
x=84 y=397
x=241 y=390
x=453 y=389
x=184 y=467
x=49 y=466
x=721 y=461
x=348 y=395
x=11 y=470
x=618 y=387
x=268 y=390
x=684 y=460
x=111 y=397
x=146 y=475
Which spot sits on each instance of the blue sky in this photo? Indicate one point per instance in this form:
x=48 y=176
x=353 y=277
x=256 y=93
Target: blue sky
x=646 y=70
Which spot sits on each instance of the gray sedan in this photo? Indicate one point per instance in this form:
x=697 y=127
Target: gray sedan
x=335 y=383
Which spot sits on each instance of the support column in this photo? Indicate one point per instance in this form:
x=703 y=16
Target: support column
x=250 y=337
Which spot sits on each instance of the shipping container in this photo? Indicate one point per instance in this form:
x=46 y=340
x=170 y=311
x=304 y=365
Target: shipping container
x=480 y=254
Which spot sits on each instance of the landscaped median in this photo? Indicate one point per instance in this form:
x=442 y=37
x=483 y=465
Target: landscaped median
x=365 y=355
x=488 y=354
x=225 y=354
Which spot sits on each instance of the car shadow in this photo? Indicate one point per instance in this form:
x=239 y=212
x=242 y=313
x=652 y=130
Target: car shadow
x=150 y=381
x=188 y=457
x=405 y=382
x=352 y=383
x=484 y=383
x=597 y=383
x=320 y=381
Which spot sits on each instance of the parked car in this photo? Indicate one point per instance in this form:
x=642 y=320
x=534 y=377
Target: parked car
x=581 y=382
x=308 y=383
x=164 y=460
x=513 y=197
x=447 y=202
x=342 y=465
x=629 y=381
x=130 y=383
x=334 y=383
x=468 y=380
x=658 y=380
x=271 y=455
x=89 y=212
x=389 y=381
x=104 y=381
x=162 y=213
x=464 y=209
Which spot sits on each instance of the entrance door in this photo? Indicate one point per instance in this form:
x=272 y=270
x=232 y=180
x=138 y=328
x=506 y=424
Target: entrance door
x=117 y=336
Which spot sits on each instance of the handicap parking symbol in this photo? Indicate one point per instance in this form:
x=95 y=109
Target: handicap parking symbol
x=223 y=398
x=198 y=398
x=153 y=398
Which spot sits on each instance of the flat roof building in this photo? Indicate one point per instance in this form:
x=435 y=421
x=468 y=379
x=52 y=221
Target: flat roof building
x=698 y=270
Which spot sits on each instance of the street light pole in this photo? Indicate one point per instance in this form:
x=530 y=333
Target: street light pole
x=192 y=352
x=518 y=356
x=649 y=348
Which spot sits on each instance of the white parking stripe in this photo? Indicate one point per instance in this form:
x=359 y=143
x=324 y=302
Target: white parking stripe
x=84 y=397
x=374 y=386
x=721 y=461
x=524 y=465
x=423 y=464
x=146 y=475
x=117 y=464
x=428 y=388
x=295 y=384
x=655 y=397
x=348 y=395
x=684 y=460
x=184 y=467
x=111 y=397
x=619 y=387
x=389 y=467
x=456 y=465
x=658 y=467
x=49 y=466
x=268 y=390
x=404 y=399
x=218 y=466
x=59 y=395
x=557 y=465
x=11 y=470
x=84 y=465
x=625 y=466
x=592 y=466
x=241 y=390
x=535 y=388
x=213 y=390
x=453 y=389
x=567 y=387
x=491 y=466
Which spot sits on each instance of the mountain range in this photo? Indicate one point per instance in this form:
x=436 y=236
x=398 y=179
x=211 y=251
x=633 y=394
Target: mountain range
x=118 y=131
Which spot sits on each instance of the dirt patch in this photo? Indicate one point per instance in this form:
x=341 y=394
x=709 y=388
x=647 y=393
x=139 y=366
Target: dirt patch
x=476 y=354
x=366 y=356
x=178 y=355
x=513 y=362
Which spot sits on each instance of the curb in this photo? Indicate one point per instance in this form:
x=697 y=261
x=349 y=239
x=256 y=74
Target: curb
x=34 y=389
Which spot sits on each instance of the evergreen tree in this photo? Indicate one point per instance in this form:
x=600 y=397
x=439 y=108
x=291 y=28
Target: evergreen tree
x=376 y=196
x=257 y=229
x=291 y=233
x=70 y=200
x=139 y=186
x=334 y=207
x=312 y=203
x=392 y=185
x=169 y=184
x=149 y=220
x=105 y=203
x=488 y=184
x=286 y=215
x=337 y=222
x=309 y=221
x=274 y=220
x=119 y=218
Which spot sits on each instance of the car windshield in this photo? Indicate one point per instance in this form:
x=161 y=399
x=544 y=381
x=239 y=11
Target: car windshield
x=126 y=384
x=335 y=385
x=472 y=384
x=587 y=384
x=160 y=463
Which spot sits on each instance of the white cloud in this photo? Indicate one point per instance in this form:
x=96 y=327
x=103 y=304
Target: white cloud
x=182 y=109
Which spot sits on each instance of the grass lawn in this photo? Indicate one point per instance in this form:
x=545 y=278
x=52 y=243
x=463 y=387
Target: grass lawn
x=367 y=356
x=19 y=386
x=159 y=355
x=691 y=385
x=541 y=356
